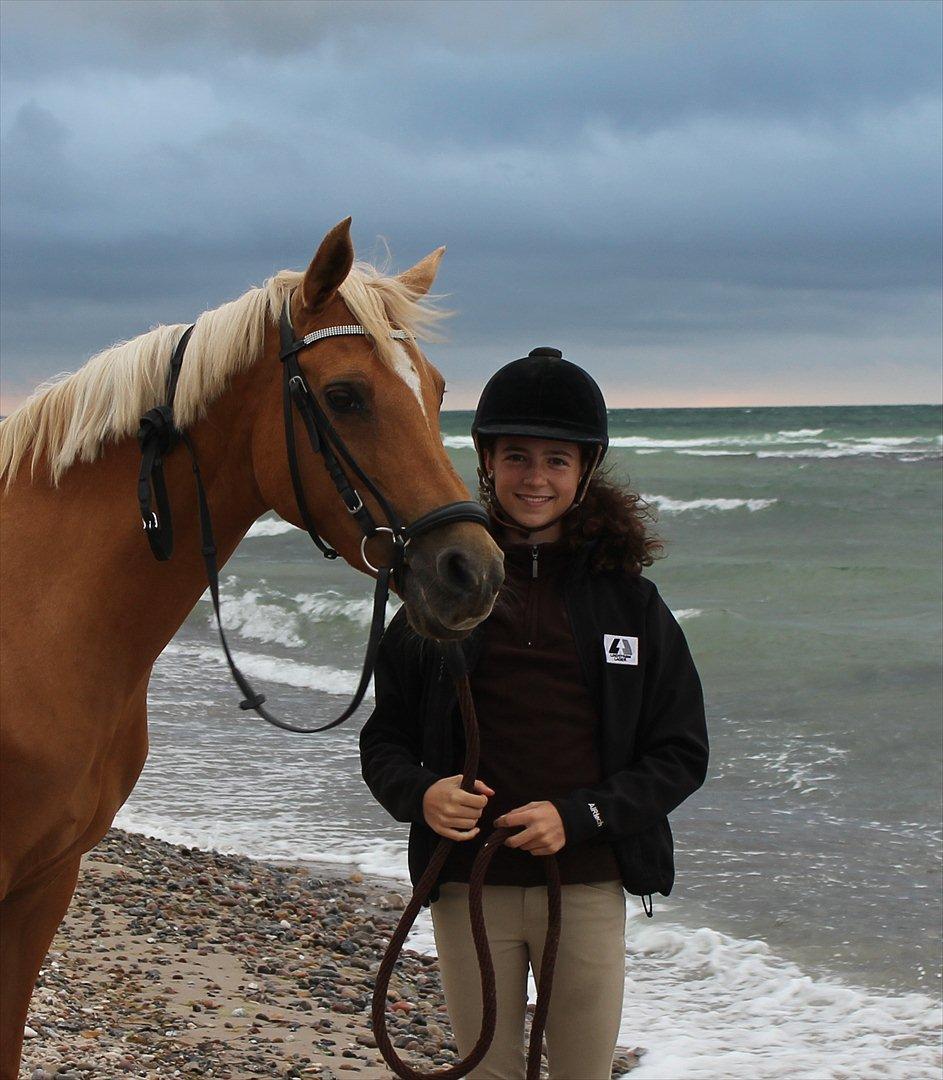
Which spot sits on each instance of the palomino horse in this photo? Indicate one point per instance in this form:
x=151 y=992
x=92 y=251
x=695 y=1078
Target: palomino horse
x=86 y=608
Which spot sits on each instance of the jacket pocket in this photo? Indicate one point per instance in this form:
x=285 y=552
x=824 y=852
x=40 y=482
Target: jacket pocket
x=646 y=860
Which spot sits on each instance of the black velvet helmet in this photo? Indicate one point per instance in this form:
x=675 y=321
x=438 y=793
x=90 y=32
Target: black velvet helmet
x=545 y=396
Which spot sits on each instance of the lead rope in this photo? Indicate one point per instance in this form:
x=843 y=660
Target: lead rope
x=425 y=885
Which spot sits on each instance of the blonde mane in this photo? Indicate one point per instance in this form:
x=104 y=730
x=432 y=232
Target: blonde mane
x=74 y=416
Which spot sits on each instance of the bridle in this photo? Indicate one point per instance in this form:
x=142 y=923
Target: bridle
x=158 y=435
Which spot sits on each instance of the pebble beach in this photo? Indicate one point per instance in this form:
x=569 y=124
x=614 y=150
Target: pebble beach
x=173 y=961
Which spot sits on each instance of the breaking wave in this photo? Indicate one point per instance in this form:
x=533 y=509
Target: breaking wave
x=269 y=526
x=678 y=506
x=267 y=615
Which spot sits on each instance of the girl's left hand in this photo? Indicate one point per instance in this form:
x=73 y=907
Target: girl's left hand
x=544 y=833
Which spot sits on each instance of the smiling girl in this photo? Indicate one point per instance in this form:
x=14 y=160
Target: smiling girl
x=591 y=720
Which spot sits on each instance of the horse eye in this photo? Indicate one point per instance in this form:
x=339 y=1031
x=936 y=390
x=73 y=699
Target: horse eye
x=343 y=399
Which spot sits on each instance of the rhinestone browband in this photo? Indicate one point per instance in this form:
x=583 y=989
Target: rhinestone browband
x=353 y=328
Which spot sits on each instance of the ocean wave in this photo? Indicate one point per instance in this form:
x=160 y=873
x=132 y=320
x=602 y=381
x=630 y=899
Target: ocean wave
x=706 y=1005
x=798 y=442
x=250 y=616
x=329 y=604
x=374 y=855
x=801 y=443
x=273 y=617
x=688 y=613
x=862 y=448
x=633 y=442
x=678 y=506
x=269 y=527
x=328 y=680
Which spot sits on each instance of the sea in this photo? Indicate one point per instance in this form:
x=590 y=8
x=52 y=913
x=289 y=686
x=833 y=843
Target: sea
x=803 y=561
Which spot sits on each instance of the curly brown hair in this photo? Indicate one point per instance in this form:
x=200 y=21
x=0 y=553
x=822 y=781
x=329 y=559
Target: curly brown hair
x=612 y=514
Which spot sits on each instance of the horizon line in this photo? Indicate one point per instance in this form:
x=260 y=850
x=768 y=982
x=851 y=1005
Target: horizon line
x=809 y=405
x=7 y=406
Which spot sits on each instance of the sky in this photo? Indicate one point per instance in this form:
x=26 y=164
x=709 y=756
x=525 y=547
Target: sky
x=703 y=203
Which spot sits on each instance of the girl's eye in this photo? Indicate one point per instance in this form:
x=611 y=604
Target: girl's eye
x=344 y=399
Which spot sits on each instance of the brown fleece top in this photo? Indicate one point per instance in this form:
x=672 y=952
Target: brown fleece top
x=537 y=721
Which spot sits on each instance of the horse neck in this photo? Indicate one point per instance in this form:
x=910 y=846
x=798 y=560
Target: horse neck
x=115 y=603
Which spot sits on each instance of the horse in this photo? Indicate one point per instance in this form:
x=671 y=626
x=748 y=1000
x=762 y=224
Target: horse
x=87 y=609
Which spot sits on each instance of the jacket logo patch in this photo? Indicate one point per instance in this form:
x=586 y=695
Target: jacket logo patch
x=620 y=650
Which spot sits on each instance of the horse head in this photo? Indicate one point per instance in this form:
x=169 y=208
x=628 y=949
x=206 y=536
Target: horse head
x=382 y=396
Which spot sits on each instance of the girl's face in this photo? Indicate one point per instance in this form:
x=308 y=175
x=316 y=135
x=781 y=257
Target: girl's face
x=535 y=480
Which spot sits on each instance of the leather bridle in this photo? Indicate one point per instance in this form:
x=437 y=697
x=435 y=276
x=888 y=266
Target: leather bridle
x=158 y=435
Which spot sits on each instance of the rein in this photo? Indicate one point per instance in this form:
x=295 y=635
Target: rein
x=485 y=965
x=158 y=436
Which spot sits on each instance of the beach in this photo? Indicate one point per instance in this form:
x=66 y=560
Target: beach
x=803 y=927
x=174 y=961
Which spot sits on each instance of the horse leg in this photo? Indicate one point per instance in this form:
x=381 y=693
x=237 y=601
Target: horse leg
x=29 y=919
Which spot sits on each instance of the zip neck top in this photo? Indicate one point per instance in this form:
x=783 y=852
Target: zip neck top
x=538 y=725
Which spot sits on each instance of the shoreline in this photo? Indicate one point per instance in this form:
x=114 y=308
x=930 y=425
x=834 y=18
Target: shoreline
x=173 y=961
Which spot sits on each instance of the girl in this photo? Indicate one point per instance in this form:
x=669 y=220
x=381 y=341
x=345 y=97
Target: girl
x=591 y=719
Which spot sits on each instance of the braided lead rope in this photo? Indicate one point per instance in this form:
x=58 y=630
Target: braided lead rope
x=479 y=935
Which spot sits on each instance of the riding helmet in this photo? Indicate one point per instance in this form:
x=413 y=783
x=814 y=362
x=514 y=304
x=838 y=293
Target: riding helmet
x=545 y=396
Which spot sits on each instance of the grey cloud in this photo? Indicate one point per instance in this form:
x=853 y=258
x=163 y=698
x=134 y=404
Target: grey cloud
x=641 y=64
x=671 y=174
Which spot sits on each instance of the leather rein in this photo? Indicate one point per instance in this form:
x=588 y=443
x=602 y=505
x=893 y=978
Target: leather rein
x=158 y=435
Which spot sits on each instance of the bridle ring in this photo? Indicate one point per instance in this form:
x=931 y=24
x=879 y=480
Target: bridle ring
x=397 y=538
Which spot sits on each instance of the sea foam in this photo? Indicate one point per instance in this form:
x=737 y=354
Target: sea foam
x=269 y=526
x=708 y=1005
x=668 y=505
x=273 y=617
x=328 y=680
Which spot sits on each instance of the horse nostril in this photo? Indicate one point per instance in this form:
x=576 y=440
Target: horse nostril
x=454 y=568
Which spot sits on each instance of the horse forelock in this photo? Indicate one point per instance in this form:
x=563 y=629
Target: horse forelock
x=72 y=417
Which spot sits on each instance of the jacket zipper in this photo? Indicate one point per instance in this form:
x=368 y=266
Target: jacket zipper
x=532 y=597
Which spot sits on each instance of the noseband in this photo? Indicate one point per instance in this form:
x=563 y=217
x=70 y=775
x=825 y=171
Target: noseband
x=158 y=435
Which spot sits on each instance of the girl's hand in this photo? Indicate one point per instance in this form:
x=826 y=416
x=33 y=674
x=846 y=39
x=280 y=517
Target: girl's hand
x=544 y=833
x=451 y=812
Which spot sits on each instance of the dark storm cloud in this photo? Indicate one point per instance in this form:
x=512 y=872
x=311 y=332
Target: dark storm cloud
x=688 y=174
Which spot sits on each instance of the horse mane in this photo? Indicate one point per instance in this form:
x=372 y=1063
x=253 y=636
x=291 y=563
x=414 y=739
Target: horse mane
x=73 y=416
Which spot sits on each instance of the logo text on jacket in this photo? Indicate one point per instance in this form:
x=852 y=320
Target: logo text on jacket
x=620 y=650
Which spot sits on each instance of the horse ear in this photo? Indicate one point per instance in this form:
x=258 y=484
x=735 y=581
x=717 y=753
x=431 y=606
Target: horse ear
x=420 y=277
x=329 y=267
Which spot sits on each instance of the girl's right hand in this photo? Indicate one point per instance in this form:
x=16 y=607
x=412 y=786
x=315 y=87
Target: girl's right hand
x=451 y=812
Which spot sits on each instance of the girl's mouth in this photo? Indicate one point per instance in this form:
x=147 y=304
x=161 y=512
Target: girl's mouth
x=534 y=500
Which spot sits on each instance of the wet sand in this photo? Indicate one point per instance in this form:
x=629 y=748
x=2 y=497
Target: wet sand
x=179 y=962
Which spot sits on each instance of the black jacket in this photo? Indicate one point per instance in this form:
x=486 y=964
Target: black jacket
x=652 y=731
